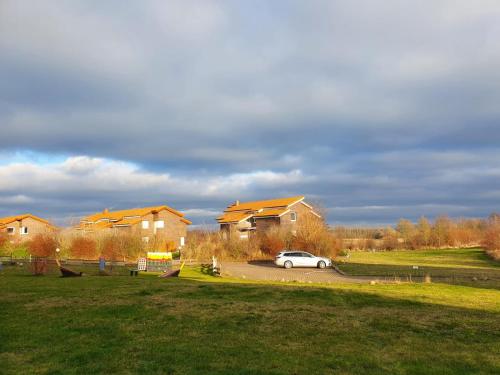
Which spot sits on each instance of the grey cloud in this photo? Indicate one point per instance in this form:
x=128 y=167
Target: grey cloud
x=377 y=104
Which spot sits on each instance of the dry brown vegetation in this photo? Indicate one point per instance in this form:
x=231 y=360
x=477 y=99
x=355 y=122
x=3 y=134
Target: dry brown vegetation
x=442 y=233
x=491 y=238
x=311 y=235
x=3 y=239
x=43 y=245
x=83 y=248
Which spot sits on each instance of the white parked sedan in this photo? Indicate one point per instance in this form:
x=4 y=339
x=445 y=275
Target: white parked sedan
x=291 y=258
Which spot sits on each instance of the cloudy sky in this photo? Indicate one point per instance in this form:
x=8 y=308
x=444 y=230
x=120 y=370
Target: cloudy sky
x=375 y=109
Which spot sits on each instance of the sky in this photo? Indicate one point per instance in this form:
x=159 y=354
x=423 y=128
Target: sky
x=374 y=110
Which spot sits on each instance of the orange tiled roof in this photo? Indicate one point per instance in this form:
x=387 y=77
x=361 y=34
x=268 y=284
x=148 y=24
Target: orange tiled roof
x=272 y=212
x=125 y=217
x=126 y=222
x=186 y=221
x=10 y=219
x=272 y=207
x=234 y=217
x=271 y=203
x=118 y=215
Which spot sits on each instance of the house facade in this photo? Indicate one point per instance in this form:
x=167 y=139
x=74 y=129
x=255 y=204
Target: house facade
x=158 y=222
x=244 y=218
x=24 y=227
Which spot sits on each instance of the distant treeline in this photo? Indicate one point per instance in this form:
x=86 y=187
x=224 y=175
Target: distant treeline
x=442 y=232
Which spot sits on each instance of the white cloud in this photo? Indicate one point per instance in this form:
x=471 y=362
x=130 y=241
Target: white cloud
x=80 y=179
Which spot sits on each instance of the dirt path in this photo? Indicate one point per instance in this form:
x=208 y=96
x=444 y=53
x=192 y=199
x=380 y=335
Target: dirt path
x=269 y=271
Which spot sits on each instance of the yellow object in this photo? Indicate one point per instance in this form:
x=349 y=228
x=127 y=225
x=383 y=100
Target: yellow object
x=182 y=266
x=160 y=255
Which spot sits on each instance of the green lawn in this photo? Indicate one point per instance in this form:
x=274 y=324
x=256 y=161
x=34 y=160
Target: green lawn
x=462 y=266
x=198 y=324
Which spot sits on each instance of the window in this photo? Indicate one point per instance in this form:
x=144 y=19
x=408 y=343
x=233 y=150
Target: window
x=145 y=239
x=182 y=241
x=11 y=230
x=145 y=224
x=159 y=224
x=293 y=216
x=24 y=230
x=244 y=236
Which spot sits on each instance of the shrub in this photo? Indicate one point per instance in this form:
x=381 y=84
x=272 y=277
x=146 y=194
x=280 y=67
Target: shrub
x=271 y=245
x=390 y=240
x=83 y=248
x=119 y=247
x=314 y=236
x=43 y=245
x=274 y=240
x=4 y=240
x=491 y=240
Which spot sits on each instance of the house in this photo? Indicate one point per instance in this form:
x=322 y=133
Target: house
x=149 y=222
x=244 y=218
x=24 y=227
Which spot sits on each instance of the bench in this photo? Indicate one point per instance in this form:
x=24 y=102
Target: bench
x=134 y=272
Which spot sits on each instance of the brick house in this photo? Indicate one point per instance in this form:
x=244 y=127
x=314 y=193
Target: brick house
x=149 y=222
x=244 y=218
x=24 y=227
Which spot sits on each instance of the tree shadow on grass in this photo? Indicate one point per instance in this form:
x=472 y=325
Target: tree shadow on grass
x=475 y=277
x=245 y=328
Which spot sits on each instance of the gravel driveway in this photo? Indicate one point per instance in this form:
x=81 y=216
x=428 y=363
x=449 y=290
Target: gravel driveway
x=269 y=271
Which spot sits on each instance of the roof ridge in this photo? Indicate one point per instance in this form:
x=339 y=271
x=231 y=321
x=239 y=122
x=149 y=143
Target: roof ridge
x=268 y=203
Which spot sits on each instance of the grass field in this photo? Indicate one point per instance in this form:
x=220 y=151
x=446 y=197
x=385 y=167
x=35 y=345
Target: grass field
x=198 y=324
x=458 y=266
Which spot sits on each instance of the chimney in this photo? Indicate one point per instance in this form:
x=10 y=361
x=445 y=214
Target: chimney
x=237 y=203
x=105 y=211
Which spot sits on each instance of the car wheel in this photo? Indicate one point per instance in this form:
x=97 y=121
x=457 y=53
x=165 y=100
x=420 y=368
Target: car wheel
x=321 y=264
x=288 y=264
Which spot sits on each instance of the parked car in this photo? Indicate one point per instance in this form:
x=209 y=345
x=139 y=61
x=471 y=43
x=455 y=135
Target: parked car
x=293 y=258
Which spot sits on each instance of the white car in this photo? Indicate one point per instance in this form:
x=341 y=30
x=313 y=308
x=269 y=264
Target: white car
x=293 y=258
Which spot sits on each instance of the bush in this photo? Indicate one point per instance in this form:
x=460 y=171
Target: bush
x=273 y=241
x=390 y=240
x=43 y=245
x=271 y=245
x=120 y=247
x=314 y=236
x=491 y=240
x=4 y=240
x=83 y=248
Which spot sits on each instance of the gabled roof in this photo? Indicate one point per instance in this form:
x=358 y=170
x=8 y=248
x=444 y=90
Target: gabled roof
x=119 y=215
x=109 y=219
x=271 y=203
x=238 y=212
x=234 y=217
x=10 y=219
x=126 y=222
x=272 y=212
